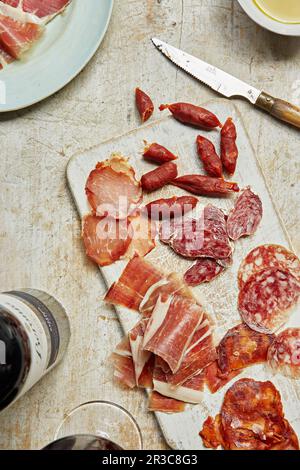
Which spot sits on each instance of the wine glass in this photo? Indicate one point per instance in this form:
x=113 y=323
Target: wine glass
x=98 y=425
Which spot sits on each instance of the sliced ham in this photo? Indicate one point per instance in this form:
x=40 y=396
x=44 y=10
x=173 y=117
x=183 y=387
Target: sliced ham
x=112 y=189
x=171 y=327
x=189 y=392
x=158 y=402
x=16 y=37
x=124 y=370
x=143 y=233
x=139 y=355
x=33 y=10
x=106 y=240
x=200 y=353
x=137 y=278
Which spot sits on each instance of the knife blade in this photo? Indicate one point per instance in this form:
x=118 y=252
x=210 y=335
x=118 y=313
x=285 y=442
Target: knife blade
x=228 y=85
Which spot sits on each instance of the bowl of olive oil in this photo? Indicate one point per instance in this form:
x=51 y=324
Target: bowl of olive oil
x=279 y=16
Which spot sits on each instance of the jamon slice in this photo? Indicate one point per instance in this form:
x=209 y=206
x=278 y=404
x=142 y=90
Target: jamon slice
x=16 y=38
x=171 y=284
x=284 y=353
x=112 y=189
x=266 y=299
x=158 y=402
x=214 y=378
x=5 y=58
x=246 y=215
x=137 y=278
x=242 y=347
x=189 y=392
x=41 y=9
x=123 y=364
x=251 y=418
x=204 y=270
x=105 y=240
x=171 y=327
x=143 y=233
x=268 y=256
x=139 y=355
x=200 y=353
x=196 y=238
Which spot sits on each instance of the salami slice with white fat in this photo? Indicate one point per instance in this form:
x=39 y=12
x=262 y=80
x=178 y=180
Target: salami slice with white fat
x=246 y=215
x=284 y=353
x=204 y=270
x=266 y=299
x=268 y=256
x=205 y=237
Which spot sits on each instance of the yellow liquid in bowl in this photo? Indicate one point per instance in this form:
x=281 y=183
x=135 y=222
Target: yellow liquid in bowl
x=284 y=11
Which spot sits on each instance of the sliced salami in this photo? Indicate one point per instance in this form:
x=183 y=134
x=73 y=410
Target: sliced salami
x=268 y=256
x=205 y=237
x=284 y=353
x=204 y=270
x=246 y=215
x=266 y=299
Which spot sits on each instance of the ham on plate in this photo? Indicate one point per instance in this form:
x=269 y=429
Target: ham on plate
x=34 y=11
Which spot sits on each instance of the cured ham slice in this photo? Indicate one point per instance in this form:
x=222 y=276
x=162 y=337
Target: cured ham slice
x=246 y=215
x=171 y=327
x=122 y=360
x=200 y=353
x=251 y=418
x=204 y=270
x=143 y=233
x=171 y=284
x=16 y=38
x=284 y=353
x=268 y=256
x=214 y=378
x=33 y=10
x=105 y=239
x=158 y=402
x=112 y=189
x=5 y=58
x=137 y=278
x=190 y=391
x=242 y=347
x=206 y=237
x=266 y=299
x=139 y=355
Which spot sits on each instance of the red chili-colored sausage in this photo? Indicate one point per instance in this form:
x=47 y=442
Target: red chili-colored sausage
x=159 y=177
x=193 y=115
x=144 y=104
x=205 y=185
x=170 y=208
x=229 y=150
x=208 y=155
x=158 y=154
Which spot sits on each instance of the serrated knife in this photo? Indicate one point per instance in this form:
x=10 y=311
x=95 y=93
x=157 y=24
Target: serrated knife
x=229 y=86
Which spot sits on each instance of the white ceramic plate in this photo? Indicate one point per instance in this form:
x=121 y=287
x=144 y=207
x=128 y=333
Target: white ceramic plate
x=268 y=23
x=69 y=42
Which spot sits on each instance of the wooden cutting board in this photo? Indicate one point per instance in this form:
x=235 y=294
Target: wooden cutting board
x=220 y=296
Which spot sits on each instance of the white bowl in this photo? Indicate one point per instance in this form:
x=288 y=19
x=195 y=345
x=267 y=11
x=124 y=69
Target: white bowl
x=268 y=23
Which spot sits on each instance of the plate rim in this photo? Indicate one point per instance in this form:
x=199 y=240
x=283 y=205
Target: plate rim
x=70 y=78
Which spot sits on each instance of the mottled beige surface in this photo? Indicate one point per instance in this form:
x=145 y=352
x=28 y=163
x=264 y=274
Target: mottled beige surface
x=40 y=231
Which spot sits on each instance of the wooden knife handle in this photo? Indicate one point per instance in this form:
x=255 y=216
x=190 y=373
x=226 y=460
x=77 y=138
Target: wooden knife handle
x=279 y=108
